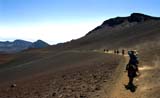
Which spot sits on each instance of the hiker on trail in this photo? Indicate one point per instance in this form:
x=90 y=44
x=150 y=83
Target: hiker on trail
x=104 y=50
x=132 y=67
x=107 y=50
x=117 y=51
x=123 y=51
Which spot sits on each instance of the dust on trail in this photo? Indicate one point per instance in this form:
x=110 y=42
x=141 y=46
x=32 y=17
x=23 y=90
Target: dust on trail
x=142 y=88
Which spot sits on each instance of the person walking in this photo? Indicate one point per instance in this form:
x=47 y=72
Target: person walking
x=132 y=67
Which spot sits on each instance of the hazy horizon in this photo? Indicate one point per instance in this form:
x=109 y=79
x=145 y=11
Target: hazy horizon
x=56 y=21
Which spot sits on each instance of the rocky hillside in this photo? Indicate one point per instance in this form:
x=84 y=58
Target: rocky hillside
x=118 y=32
x=134 y=18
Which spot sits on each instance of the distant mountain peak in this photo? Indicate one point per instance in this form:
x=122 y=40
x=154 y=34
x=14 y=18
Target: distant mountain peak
x=138 y=14
x=133 y=18
x=142 y=15
x=18 y=40
x=138 y=17
x=19 y=45
x=40 y=41
x=39 y=44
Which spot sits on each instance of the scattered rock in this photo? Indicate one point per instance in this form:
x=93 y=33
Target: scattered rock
x=60 y=96
x=83 y=96
x=54 y=94
x=97 y=88
x=13 y=85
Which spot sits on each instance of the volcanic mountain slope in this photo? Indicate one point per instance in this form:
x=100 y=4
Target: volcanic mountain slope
x=119 y=32
x=79 y=68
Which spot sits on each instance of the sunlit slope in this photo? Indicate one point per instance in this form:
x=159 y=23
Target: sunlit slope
x=63 y=61
x=118 y=32
x=121 y=37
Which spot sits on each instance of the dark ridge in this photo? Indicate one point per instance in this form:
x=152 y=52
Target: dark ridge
x=134 y=17
x=138 y=17
x=114 y=21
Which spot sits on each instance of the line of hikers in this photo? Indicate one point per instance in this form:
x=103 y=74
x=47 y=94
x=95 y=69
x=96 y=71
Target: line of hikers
x=131 y=67
x=116 y=51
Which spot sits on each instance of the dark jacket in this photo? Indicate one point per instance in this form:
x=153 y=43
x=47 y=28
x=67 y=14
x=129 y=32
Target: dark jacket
x=133 y=60
x=132 y=66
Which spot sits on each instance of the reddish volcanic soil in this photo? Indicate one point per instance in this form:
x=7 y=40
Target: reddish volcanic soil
x=4 y=58
x=84 y=78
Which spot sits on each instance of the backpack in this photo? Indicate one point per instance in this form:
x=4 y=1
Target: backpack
x=131 y=67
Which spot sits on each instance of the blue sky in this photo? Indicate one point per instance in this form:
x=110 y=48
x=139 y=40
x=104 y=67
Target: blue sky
x=57 y=21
